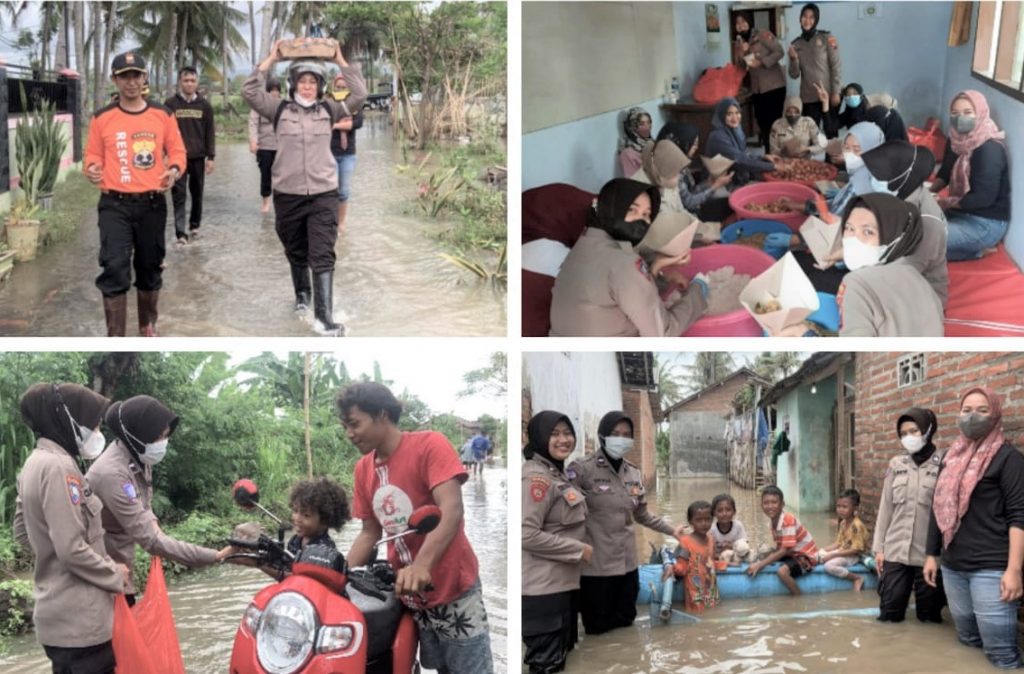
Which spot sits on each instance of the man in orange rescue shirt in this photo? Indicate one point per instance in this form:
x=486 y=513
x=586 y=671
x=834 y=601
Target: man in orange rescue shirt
x=135 y=154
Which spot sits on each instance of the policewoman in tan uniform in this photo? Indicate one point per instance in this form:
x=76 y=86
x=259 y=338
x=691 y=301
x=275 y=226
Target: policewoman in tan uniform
x=123 y=479
x=58 y=516
x=901 y=528
x=615 y=498
x=814 y=59
x=554 y=514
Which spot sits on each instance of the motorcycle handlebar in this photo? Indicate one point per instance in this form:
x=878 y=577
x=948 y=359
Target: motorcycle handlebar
x=245 y=544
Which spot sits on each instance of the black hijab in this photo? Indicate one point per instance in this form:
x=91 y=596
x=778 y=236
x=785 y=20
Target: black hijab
x=899 y=223
x=888 y=120
x=613 y=204
x=904 y=166
x=850 y=116
x=607 y=424
x=139 y=421
x=538 y=434
x=749 y=17
x=681 y=133
x=45 y=408
x=808 y=34
x=925 y=420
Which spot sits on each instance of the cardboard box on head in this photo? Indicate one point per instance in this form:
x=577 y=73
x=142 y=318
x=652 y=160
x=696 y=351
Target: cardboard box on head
x=309 y=48
x=780 y=296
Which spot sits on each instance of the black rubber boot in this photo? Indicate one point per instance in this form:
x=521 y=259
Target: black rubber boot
x=323 y=302
x=303 y=289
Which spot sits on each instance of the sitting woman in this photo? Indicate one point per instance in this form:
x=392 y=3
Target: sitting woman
x=603 y=290
x=879 y=109
x=727 y=139
x=793 y=135
x=900 y=169
x=662 y=162
x=978 y=173
x=637 y=129
x=697 y=192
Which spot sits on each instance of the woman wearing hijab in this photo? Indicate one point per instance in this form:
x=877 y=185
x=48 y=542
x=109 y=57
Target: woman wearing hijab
x=662 y=163
x=615 y=499
x=696 y=195
x=977 y=527
x=727 y=139
x=855 y=106
x=605 y=290
x=901 y=527
x=900 y=169
x=814 y=58
x=976 y=168
x=58 y=516
x=554 y=512
x=122 y=478
x=889 y=121
x=759 y=51
x=795 y=129
x=636 y=128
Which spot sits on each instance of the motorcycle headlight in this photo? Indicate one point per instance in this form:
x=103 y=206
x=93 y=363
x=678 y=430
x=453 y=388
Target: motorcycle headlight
x=334 y=638
x=251 y=619
x=287 y=629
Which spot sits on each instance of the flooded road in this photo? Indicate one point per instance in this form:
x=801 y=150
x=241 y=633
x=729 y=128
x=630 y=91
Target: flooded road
x=234 y=279
x=208 y=605
x=772 y=635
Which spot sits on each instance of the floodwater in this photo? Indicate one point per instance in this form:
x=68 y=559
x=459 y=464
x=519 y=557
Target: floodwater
x=772 y=635
x=234 y=280
x=208 y=605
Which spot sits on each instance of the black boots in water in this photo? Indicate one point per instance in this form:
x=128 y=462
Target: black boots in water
x=147 y=302
x=115 y=310
x=323 y=302
x=303 y=289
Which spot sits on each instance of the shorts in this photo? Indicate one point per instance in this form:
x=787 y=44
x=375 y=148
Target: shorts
x=795 y=569
x=454 y=637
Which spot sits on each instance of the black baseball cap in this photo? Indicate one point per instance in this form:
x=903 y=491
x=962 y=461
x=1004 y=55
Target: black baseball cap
x=126 y=62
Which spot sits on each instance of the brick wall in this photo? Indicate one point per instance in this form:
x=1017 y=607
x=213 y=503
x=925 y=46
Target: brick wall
x=698 y=445
x=636 y=403
x=947 y=375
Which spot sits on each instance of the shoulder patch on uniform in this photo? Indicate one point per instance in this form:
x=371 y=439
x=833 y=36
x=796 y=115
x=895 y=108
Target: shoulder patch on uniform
x=571 y=473
x=641 y=267
x=832 y=42
x=539 y=488
x=74 y=484
x=129 y=490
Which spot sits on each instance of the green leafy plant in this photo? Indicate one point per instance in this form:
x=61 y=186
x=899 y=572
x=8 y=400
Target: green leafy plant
x=497 y=274
x=15 y=607
x=22 y=211
x=39 y=145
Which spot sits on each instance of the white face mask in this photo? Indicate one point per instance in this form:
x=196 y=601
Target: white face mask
x=93 y=447
x=853 y=162
x=304 y=102
x=617 y=447
x=912 y=443
x=857 y=254
x=154 y=453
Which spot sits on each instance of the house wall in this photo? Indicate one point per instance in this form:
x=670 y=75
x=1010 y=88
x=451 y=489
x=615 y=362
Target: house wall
x=697 y=433
x=804 y=472
x=636 y=403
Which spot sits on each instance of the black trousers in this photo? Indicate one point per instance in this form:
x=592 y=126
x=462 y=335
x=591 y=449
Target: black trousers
x=768 y=107
x=131 y=235
x=265 y=160
x=97 y=659
x=895 y=586
x=195 y=179
x=824 y=281
x=828 y=121
x=549 y=631
x=607 y=602
x=308 y=228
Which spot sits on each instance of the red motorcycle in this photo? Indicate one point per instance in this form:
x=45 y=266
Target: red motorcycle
x=324 y=618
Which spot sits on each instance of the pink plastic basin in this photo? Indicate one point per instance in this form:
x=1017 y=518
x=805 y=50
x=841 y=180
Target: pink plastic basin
x=766 y=192
x=745 y=260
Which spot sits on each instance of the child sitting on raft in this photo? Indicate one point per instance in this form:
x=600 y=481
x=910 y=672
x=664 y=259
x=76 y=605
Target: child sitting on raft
x=851 y=542
x=794 y=546
x=694 y=562
x=730 y=536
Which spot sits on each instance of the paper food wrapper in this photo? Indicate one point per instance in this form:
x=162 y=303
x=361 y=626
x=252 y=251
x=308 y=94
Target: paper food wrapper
x=709 y=231
x=783 y=283
x=683 y=241
x=717 y=165
x=750 y=58
x=822 y=239
x=309 y=48
x=834 y=146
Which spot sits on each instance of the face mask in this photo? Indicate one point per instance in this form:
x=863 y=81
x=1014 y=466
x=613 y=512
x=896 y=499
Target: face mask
x=962 y=124
x=91 y=449
x=154 y=453
x=304 y=102
x=912 y=443
x=792 y=119
x=975 y=426
x=617 y=447
x=341 y=94
x=857 y=254
x=853 y=162
x=881 y=186
x=853 y=101
x=631 y=232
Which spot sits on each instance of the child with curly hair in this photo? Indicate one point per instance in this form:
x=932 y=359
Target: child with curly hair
x=317 y=505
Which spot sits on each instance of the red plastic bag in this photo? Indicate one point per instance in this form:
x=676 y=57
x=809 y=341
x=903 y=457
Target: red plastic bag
x=931 y=137
x=144 y=634
x=718 y=83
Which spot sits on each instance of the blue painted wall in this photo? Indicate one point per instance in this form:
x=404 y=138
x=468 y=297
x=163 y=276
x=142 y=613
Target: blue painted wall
x=803 y=472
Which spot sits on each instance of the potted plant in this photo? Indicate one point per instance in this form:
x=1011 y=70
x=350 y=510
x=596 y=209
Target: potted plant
x=39 y=144
x=23 y=229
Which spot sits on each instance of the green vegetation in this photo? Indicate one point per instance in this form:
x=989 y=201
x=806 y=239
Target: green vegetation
x=15 y=608
x=72 y=200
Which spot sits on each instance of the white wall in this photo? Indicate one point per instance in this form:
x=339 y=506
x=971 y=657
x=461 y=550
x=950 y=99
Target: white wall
x=584 y=386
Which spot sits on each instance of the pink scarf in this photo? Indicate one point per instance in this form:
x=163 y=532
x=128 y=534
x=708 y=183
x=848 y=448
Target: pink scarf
x=964 y=144
x=963 y=467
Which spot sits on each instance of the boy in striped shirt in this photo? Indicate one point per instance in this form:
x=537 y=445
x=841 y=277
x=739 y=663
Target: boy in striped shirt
x=794 y=545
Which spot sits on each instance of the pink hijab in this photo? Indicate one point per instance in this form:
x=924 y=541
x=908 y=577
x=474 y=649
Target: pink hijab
x=964 y=144
x=963 y=467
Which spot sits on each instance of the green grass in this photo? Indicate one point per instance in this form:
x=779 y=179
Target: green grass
x=72 y=199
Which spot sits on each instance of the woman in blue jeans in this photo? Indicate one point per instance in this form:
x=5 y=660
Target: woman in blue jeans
x=343 y=146
x=977 y=525
x=977 y=170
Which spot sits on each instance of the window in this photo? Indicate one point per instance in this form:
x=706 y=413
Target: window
x=999 y=46
x=910 y=370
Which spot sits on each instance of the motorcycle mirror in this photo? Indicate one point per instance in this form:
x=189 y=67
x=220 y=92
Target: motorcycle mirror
x=246 y=494
x=425 y=519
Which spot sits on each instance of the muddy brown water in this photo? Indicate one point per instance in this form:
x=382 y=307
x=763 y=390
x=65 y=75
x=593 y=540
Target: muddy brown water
x=208 y=605
x=234 y=280
x=772 y=635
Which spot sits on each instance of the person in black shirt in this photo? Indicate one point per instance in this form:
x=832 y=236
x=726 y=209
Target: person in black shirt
x=195 y=119
x=977 y=526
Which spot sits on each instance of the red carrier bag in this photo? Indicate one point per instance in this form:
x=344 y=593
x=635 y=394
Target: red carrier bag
x=931 y=137
x=145 y=640
x=718 y=83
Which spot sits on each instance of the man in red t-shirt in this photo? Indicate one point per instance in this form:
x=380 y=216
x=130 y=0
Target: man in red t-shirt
x=438 y=576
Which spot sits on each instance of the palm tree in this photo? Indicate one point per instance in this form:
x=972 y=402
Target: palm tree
x=774 y=366
x=284 y=380
x=709 y=367
x=669 y=379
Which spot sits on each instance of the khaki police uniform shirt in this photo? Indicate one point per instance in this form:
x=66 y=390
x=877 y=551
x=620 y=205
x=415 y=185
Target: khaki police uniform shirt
x=818 y=62
x=614 y=500
x=603 y=290
x=929 y=257
x=554 y=512
x=58 y=517
x=901 y=528
x=890 y=300
x=768 y=50
x=126 y=490
x=805 y=130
